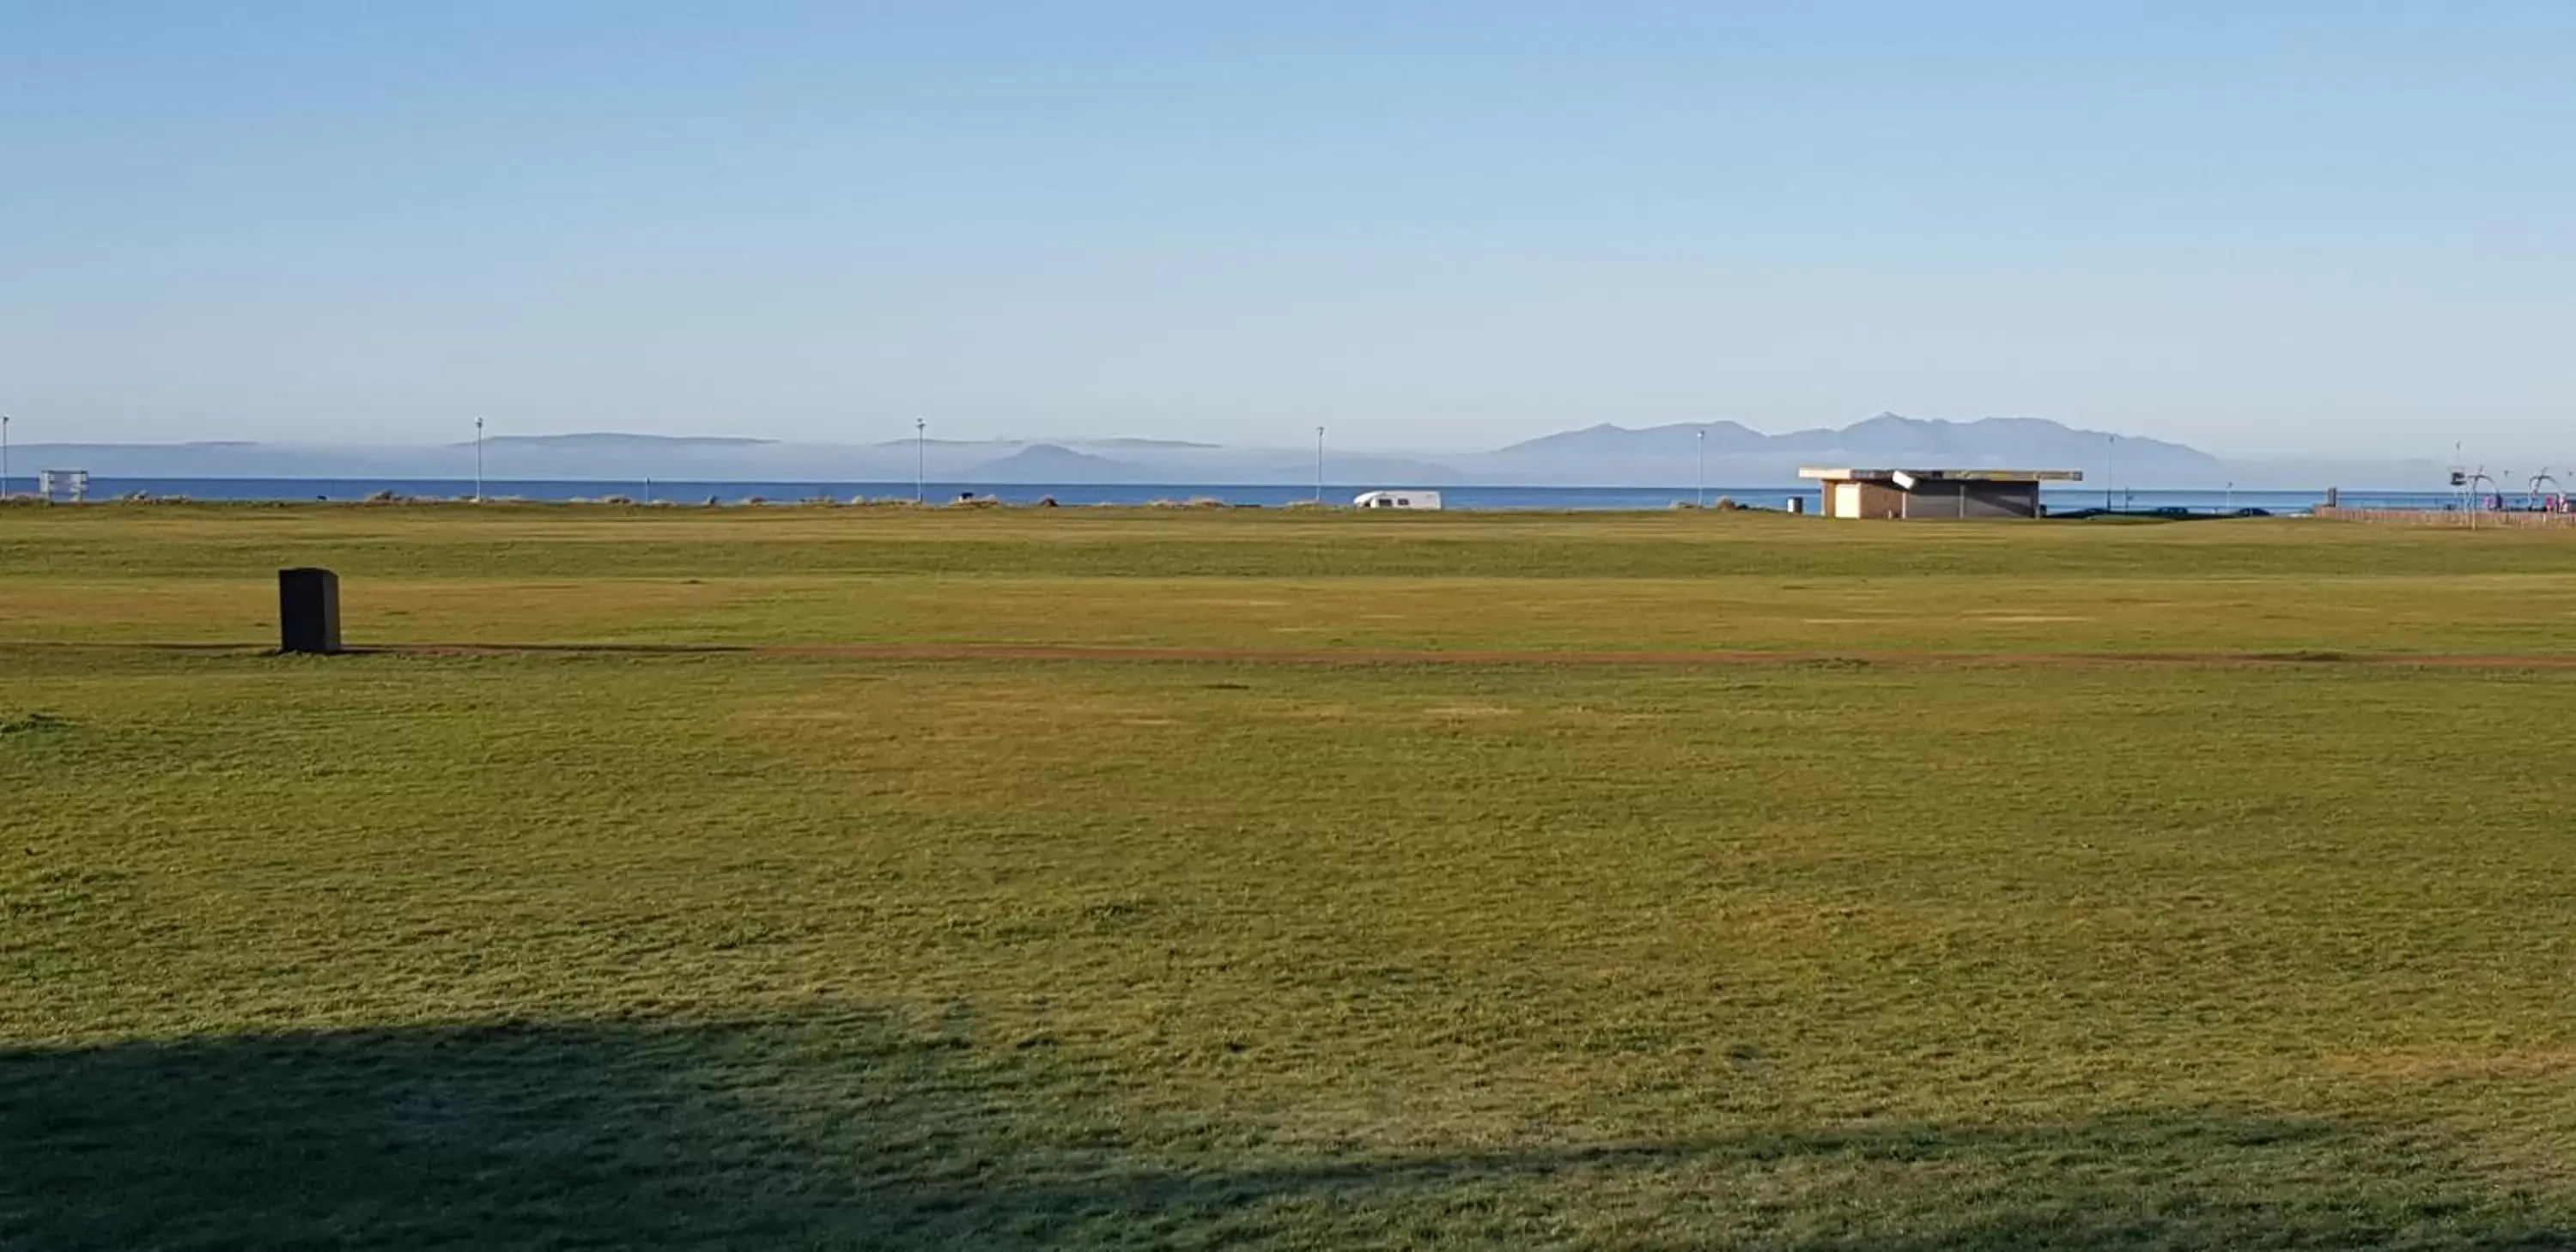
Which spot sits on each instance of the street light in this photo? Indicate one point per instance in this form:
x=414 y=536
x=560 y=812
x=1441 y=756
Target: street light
x=4 y=457
x=1699 y=471
x=921 y=460
x=1319 y=465
x=478 y=460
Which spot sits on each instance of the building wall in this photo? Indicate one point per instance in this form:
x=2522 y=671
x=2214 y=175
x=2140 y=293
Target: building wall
x=1881 y=500
x=1871 y=500
x=1972 y=500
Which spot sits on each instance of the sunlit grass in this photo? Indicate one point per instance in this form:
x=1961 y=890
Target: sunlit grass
x=739 y=950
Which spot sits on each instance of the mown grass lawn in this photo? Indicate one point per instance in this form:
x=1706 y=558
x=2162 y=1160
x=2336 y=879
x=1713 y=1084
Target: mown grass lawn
x=765 y=950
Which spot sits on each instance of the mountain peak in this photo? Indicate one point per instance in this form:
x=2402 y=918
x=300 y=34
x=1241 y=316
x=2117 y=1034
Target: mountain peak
x=1051 y=463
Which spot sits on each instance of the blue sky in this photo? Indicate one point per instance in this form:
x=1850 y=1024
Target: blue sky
x=2266 y=228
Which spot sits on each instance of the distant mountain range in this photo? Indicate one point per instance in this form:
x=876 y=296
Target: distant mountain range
x=612 y=441
x=1886 y=441
x=1048 y=463
x=1736 y=455
x=1883 y=436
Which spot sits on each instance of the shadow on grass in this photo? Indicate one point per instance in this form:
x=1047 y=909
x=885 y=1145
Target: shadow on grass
x=860 y=1131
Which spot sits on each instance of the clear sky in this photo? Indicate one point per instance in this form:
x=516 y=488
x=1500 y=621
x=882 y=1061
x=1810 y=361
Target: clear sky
x=2263 y=227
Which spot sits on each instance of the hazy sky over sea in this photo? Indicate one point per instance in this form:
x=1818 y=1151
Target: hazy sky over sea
x=2264 y=228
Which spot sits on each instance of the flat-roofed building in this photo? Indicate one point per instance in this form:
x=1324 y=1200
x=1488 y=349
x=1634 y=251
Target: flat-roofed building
x=1935 y=493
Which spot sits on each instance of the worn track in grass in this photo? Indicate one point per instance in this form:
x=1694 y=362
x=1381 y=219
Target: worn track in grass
x=1369 y=656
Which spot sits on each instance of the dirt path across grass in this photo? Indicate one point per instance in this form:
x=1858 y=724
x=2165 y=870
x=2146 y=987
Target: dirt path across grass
x=1380 y=656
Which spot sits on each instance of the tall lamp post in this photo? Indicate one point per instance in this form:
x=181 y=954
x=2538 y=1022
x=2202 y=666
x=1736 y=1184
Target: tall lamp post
x=921 y=460
x=1319 y=465
x=2110 y=467
x=1699 y=471
x=4 y=456
x=478 y=460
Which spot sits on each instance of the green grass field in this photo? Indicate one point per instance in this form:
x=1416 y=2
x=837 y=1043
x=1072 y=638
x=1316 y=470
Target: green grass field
x=2046 y=885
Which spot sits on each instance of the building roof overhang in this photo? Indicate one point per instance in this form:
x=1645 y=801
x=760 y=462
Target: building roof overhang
x=1829 y=474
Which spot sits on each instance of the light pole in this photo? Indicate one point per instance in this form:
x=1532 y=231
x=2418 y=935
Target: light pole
x=2231 y=497
x=1699 y=472
x=1319 y=465
x=2110 y=468
x=4 y=458
x=921 y=460
x=478 y=460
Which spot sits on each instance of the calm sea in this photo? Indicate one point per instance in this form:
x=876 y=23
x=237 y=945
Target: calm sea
x=1519 y=498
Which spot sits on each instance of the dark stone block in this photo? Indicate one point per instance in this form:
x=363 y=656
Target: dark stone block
x=308 y=610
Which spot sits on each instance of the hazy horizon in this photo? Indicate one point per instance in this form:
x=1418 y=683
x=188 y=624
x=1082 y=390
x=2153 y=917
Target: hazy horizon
x=2302 y=230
